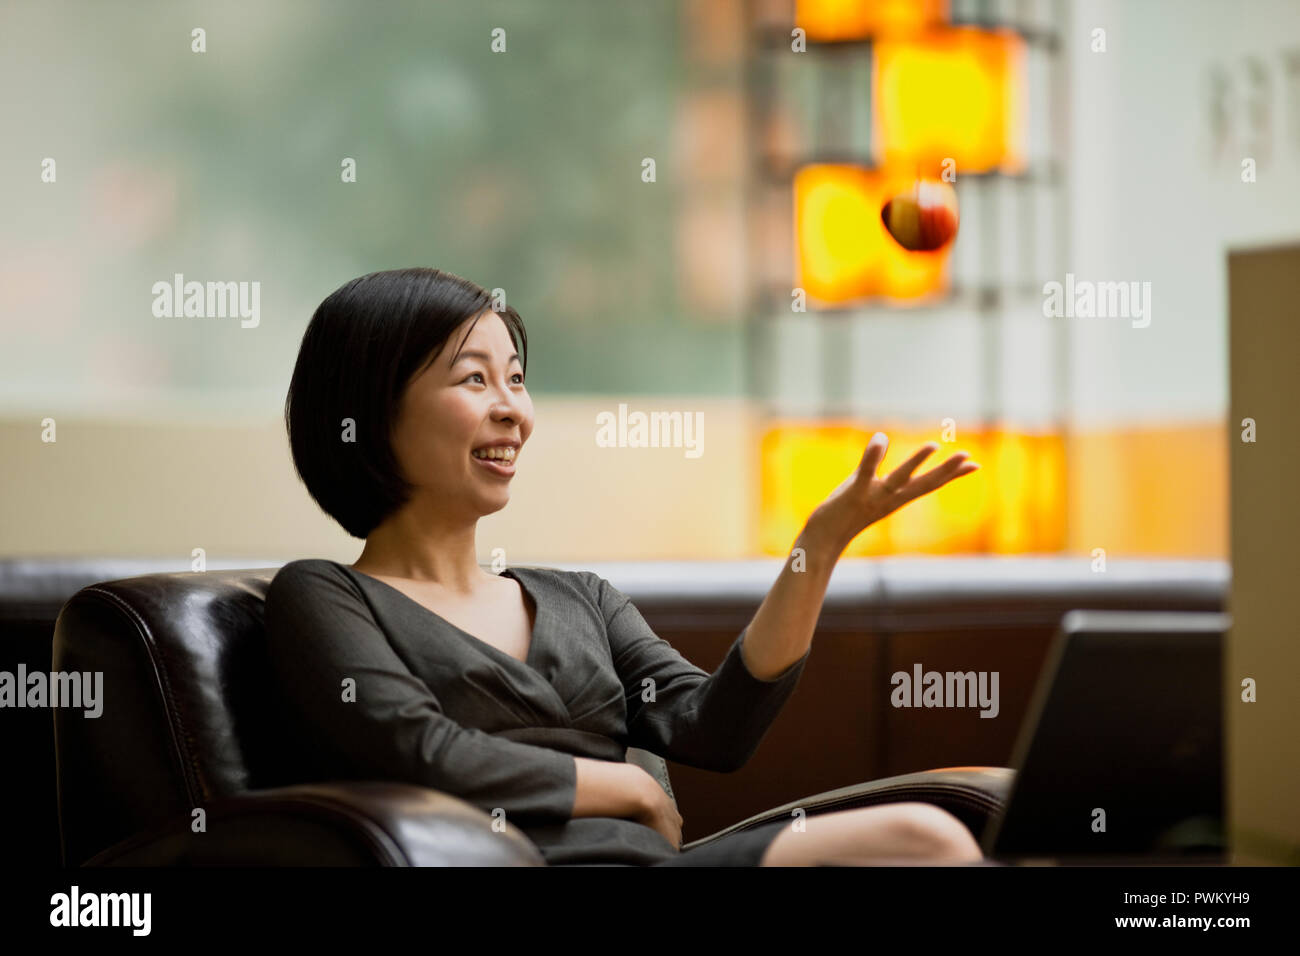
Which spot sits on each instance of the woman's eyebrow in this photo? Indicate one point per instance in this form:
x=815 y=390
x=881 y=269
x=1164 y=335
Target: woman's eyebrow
x=484 y=356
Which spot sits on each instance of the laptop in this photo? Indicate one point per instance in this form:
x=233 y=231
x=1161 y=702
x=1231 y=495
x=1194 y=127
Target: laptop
x=1120 y=758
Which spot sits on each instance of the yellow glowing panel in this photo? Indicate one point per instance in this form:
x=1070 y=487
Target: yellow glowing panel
x=954 y=93
x=1029 y=498
x=800 y=464
x=842 y=250
x=1015 y=503
x=828 y=20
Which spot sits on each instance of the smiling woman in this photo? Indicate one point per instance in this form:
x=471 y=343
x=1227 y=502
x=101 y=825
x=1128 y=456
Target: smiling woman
x=521 y=693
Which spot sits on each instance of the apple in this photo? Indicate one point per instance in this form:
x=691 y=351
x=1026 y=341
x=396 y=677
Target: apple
x=922 y=218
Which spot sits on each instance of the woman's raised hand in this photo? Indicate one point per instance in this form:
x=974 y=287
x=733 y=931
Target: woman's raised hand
x=863 y=498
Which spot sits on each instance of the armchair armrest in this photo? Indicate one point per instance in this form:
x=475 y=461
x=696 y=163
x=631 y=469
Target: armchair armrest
x=971 y=794
x=335 y=823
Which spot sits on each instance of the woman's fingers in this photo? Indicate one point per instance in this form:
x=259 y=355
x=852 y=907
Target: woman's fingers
x=900 y=480
x=862 y=499
x=954 y=467
x=875 y=452
x=899 y=477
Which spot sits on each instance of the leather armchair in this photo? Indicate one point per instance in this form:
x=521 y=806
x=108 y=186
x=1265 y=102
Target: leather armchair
x=188 y=722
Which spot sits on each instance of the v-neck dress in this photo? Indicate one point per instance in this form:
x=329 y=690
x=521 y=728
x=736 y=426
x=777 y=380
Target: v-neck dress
x=377 y=686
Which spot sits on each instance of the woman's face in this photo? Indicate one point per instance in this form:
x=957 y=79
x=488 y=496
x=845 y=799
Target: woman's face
x=448 y=411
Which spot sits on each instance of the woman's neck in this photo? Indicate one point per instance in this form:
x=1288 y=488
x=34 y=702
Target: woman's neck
x=444 y=557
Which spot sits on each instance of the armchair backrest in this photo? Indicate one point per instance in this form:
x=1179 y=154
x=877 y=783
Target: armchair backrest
x=186 y=714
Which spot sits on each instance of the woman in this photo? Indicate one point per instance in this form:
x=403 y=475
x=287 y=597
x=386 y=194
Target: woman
x=520 y=692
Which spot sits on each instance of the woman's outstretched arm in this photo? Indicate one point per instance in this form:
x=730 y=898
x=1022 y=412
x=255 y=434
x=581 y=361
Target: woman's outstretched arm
x=716 y=721
x=782 y=629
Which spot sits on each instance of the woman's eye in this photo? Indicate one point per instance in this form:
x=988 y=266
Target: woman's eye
x=518 y=375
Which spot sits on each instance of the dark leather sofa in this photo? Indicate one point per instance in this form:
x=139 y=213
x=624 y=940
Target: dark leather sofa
x=192 y=725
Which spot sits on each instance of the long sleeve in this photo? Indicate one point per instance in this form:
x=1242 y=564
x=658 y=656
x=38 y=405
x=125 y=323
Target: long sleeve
x=711 y=721
x=321 y=631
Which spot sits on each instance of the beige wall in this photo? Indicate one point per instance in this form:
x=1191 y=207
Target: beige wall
x=223 y=481
x=1158 y=491
x=153 y=488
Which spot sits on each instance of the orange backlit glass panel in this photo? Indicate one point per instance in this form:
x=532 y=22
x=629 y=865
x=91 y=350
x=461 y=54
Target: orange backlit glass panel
x=1014 y=504
x=953 y=93
x=829 y=20
x=842 y=250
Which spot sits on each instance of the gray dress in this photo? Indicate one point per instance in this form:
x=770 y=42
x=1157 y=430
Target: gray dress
x=437 y=706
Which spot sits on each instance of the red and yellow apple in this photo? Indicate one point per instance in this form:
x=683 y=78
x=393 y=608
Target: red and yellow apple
x=922 y=218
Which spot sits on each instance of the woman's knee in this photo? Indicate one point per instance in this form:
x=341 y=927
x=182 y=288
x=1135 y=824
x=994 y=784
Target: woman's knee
x=938 y=833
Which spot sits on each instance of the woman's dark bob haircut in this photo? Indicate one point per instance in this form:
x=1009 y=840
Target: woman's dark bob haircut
x=363 y=346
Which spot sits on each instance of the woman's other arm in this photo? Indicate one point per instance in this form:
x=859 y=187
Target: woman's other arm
x=607 y=788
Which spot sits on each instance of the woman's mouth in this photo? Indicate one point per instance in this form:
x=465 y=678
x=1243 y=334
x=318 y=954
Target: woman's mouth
x=502 y=463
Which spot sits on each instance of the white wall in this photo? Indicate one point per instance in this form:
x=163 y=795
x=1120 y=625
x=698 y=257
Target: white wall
x=1150 y=203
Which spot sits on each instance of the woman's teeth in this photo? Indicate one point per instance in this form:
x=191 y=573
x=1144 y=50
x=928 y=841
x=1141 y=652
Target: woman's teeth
x=499 y=454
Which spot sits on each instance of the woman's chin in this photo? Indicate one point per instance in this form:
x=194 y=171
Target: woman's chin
x=494 y=502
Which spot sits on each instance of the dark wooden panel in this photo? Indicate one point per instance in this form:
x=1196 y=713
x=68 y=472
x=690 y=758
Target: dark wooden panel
x=927 y=738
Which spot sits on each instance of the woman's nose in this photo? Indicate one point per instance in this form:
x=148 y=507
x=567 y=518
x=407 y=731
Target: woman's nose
x=507 y=403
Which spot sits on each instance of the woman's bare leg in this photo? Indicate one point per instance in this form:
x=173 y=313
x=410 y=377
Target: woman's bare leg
x=903 y=832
